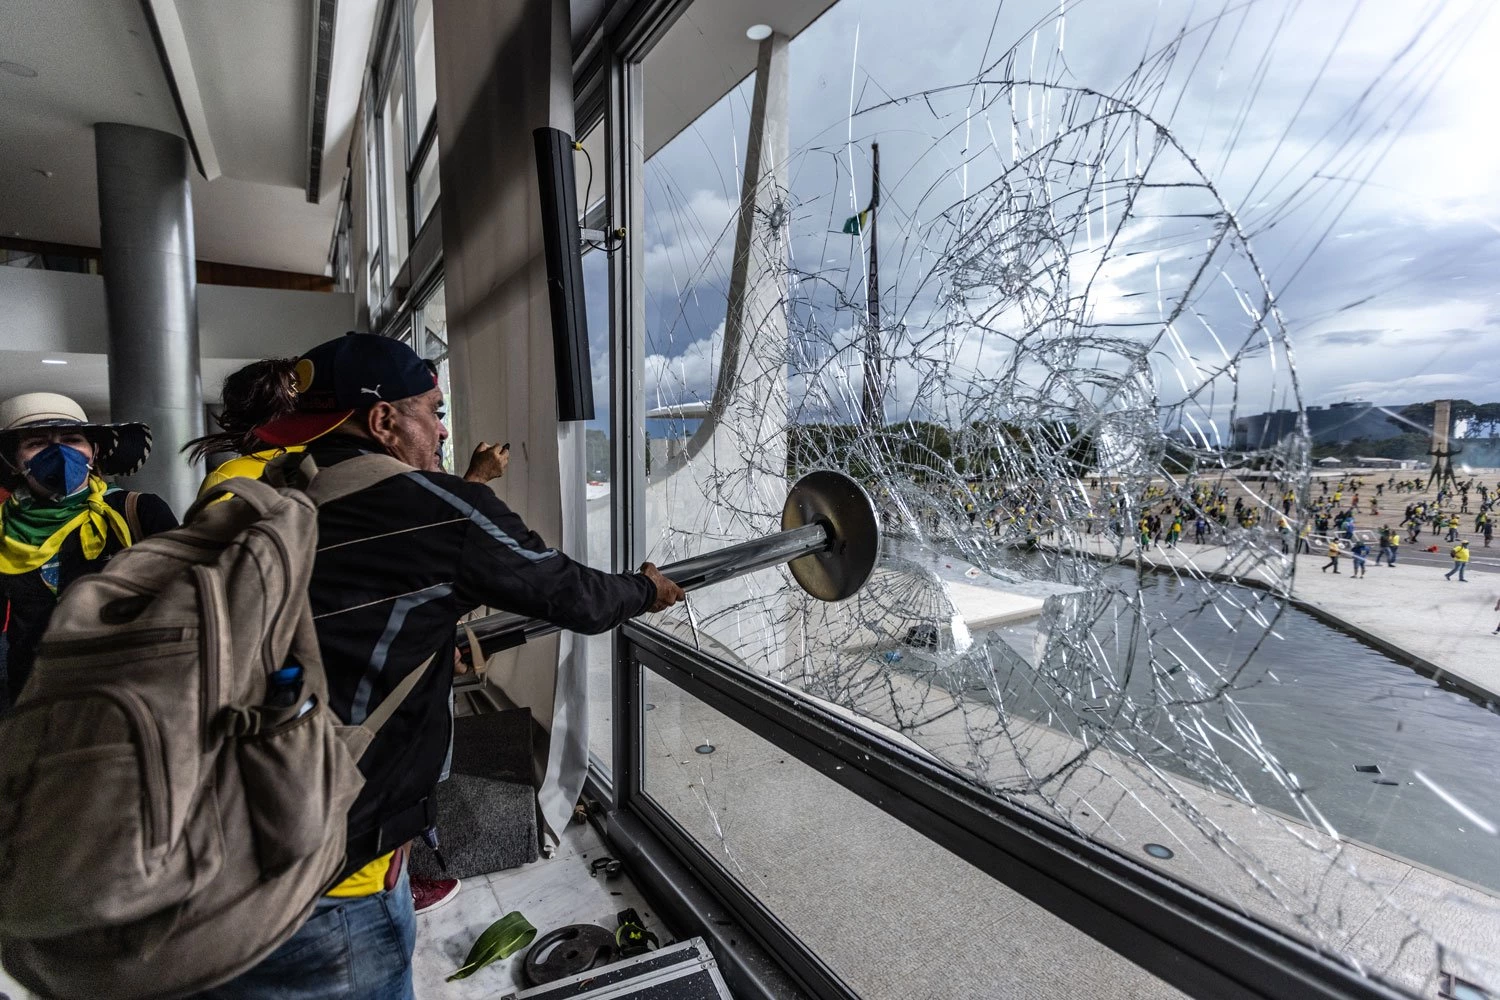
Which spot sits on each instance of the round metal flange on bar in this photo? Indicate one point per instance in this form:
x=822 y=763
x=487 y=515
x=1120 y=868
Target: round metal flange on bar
x=846 y=510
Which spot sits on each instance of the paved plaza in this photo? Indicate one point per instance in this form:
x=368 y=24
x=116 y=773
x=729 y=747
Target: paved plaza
x=1441 y=627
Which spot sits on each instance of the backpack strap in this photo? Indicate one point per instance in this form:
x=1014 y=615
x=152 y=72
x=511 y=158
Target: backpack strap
x=352 y=475
x=133 y=515
x=264 y=498
x=388 y=705
x=358 y=738
x=299 y=471
x=476 y=653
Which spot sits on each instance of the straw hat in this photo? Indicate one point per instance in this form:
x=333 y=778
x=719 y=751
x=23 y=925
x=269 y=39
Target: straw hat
x=119 y=449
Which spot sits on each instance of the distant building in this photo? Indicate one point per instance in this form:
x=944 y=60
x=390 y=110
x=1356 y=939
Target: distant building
x=1336 y=424
x=1367 y=462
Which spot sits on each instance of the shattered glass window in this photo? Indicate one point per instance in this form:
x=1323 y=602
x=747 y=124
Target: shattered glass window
x=597 y=470
x=1155 y=312
x=822 y=859
x=597 y=465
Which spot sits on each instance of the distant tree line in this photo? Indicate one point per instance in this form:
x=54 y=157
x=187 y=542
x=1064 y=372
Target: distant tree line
x=977 y=450
x=1409 y=445
x=596 y=442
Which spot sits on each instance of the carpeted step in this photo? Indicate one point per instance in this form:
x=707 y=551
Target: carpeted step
x=486 y=809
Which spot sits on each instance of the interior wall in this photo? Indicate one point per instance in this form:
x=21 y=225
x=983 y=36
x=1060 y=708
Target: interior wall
x=504 y=70
x=64 y=312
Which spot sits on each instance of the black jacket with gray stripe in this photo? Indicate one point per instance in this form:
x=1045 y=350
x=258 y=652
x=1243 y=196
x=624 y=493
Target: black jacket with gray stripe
x=397 y=565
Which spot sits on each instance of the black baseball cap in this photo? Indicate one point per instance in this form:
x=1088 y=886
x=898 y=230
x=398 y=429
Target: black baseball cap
x=339 y=378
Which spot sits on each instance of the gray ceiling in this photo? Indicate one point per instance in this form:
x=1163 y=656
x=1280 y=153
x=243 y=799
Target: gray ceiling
x=705 y=54
x=249 y=63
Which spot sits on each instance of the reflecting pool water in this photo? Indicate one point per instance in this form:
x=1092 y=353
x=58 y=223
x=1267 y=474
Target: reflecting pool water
x=1390 y=758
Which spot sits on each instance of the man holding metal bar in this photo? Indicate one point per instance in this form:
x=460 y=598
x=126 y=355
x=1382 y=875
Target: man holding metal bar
x=399 y=563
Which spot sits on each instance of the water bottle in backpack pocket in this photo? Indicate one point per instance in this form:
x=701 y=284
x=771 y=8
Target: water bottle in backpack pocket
x=175 y=789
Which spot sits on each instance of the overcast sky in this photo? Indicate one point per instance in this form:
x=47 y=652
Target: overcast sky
x=1352 y=144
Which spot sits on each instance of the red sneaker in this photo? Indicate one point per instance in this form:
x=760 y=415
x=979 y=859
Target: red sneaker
x=428 y=894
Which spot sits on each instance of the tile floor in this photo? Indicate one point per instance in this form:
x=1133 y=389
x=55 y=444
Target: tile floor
x=550 y=893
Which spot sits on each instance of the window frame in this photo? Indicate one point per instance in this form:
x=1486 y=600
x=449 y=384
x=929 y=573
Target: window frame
x=341 y=247
x=392 y=281
x=1187 y=938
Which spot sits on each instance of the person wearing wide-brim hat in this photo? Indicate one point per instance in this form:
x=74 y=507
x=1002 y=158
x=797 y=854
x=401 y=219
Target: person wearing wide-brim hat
x=63 y=520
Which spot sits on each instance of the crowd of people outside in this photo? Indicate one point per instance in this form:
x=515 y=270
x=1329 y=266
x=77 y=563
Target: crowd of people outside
x=1359 y=511
x=1339 y=517
x=1362 y=517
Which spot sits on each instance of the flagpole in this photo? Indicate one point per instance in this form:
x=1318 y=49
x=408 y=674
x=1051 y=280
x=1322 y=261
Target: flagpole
x=873 y=411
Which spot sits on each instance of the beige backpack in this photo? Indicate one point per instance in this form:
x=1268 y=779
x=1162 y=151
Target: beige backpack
x=168 y=816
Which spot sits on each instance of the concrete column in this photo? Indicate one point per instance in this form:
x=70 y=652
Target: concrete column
x=728 y=482
x=751 y=395
x=151 y=290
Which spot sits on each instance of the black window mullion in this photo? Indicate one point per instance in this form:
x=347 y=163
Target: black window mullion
x=425 y=140
x=408 y=41
x=408 y=46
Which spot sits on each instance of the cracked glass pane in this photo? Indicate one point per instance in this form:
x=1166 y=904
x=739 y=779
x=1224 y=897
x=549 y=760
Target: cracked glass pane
x=1090 y=344
x=598 y=466
x=598 y=473
x=824 y=860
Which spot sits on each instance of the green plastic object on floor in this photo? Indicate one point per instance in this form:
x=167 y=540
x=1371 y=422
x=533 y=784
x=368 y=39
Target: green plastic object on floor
x=501 y=939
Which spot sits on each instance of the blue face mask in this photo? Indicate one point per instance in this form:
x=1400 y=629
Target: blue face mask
x=59 y=469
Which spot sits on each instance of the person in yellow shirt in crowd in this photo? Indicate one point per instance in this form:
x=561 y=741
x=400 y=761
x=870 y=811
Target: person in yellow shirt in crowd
x=256 y=393
x=1333 y=556
x=1460 y=554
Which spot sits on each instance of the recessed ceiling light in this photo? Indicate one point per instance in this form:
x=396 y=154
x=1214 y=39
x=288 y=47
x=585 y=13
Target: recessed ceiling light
x=17 y=69
x=758 y=32
x=53 y=361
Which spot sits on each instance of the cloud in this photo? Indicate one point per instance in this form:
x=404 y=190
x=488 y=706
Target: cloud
x=1378 y=309
x=685 y=375
x=1433 y=385
x=1349 y=337
x=689 y=241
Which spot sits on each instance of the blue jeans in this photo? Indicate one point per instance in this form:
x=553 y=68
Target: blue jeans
x=1458 y=568
x=349 y=949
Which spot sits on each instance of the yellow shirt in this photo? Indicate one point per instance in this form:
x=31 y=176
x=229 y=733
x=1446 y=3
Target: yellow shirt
x=249 y=466
x=366 y=882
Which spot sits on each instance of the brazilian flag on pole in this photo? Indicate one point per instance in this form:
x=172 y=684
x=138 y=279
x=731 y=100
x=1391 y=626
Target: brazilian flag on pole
x=855 y=224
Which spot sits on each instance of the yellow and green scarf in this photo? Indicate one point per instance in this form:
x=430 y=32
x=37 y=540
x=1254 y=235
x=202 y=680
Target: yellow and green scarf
x=32 y=531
